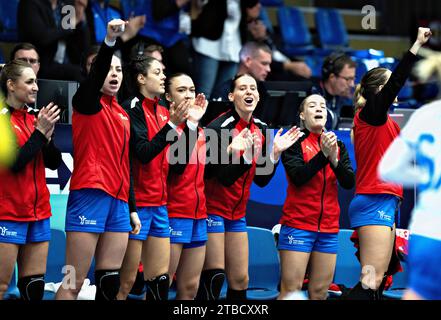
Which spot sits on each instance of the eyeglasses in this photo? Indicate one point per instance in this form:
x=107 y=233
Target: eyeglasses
x=29 y=60
x=348 y=79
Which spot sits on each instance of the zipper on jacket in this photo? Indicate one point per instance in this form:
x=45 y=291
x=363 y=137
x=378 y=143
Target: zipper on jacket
x=323 y=198
x=35 y=169
x=241 y=197
x=120 y=162
x=163 y=153
x=195 y=181
x=323 y=194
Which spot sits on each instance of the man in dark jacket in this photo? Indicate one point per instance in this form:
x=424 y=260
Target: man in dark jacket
x=59 y=33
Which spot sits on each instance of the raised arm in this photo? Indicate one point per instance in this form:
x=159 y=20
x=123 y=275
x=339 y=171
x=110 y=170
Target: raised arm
x=86 y=99
x=377 y=105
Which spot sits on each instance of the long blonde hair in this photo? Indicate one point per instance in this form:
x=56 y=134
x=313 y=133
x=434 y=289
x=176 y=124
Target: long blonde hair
x=370 y=83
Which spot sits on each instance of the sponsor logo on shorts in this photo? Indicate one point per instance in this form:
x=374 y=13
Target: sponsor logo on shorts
x=213 y=223
x=292 y=240
x=175 y=233
x=5 y=233
x=85 y=221
x=384 y=216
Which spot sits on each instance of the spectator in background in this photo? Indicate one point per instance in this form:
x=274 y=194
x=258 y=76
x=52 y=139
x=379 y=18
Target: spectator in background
x=255 y=60
x=168 y=24
x=284 y=68
x=149 y=50
x=27 y=52
x=99 y=13
x=216 y=42
x=90 y=58
x=42 y=23
x=336 y=86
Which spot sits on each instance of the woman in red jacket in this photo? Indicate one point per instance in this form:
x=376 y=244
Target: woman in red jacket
x=152 y=128
x=185 y=189
x=239 y=155
x=24 y=207
x=310 y=216
x=98 y=217
x=376 y=203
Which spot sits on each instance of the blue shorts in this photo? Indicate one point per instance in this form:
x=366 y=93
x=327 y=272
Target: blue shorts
x=217 y=224
x=25 y=232
x=93 y=210
x=154 y=222
x=192 y=233
x=373 y=209
x=424 y=263
x=293 y=239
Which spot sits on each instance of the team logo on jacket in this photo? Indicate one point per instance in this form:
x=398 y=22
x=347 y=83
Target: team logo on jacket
x=163 y=118
x=5 y=233
x=85 y=221
x=123 y=117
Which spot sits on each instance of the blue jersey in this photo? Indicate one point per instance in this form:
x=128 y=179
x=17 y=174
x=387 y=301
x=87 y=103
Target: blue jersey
x=416 y=158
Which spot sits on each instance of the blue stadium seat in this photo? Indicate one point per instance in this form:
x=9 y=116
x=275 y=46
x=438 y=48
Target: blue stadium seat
x=264 y=265
x=12 y=293
x=8 y=20
x=347 y=269
x=334 y=35
x=272 y=3
x=295 y=33
x=331 y=28
x=266 y=20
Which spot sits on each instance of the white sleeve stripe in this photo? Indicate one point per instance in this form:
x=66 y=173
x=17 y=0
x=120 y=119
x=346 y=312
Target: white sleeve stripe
x=133 y=102
x=226 y=122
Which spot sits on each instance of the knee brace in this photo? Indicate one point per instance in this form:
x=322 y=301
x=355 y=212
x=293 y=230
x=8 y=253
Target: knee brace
x=157 y=288
x=139 y=285
x=210 y=284
x=107 y=284
x=31 y=288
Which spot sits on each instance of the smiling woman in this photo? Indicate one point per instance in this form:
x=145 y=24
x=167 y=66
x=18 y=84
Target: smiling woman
x=310 y=216
x=25 y=209
x=227 y=187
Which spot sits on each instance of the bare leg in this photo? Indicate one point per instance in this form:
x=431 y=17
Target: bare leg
x=8 y=254
x=129 y=268
x=236 y=260
x=32 y=259
x=175 y=256
x=322 y=267
x=189 y=272
x=215 y=252
x=294 y=265
x=155 y=256
x=80 y=248
x=376 y=245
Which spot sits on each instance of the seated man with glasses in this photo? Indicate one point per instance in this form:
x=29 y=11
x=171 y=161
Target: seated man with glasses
x=27 y=52
x=337 y=86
